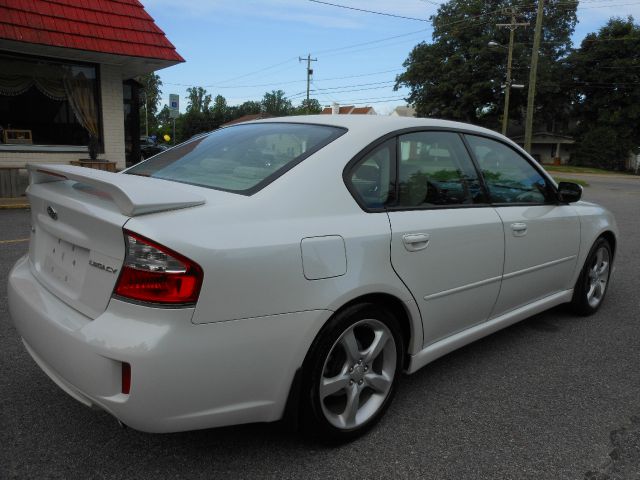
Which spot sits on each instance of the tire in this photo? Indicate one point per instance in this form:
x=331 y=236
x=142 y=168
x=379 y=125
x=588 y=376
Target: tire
x=592 y=284
x=351 y=372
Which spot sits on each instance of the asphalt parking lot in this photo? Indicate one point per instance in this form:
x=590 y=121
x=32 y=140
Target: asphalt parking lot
x=553 y=397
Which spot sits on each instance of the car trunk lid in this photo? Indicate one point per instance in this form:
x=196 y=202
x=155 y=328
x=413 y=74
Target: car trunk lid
x=77 y=245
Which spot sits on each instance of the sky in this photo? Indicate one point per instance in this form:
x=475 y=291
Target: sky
x=241 y=49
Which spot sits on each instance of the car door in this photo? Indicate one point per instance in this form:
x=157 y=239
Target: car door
x=542 y=236
x=447 y=242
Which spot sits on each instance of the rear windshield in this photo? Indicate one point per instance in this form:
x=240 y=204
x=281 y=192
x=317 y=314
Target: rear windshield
x=241 y=159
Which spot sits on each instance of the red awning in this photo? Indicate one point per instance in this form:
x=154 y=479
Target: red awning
x=120 y=27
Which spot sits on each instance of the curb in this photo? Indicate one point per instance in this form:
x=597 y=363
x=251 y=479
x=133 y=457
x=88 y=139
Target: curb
x=600 y=175
x=17 y=206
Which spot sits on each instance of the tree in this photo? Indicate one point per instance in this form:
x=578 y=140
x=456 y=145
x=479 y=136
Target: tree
x=165 y=123
x=249 y=108
x=275 y=103
x=198 y=100
x=150 y=97
x=220 y=111
x=607 y=92
x=198 y=117
x=311 y=107
x=459 y=77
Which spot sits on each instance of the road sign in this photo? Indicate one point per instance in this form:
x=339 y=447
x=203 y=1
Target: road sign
x=174 y=105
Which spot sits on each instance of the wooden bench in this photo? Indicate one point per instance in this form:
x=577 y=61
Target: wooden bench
x=98 y=165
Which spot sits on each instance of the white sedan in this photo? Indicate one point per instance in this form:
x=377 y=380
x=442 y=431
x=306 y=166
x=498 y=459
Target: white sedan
x=294 y=268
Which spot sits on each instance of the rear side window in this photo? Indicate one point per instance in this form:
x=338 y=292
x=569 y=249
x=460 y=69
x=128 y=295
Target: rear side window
x=241 y=159
x=509 y=177
x=371 y=176
x=435 y=169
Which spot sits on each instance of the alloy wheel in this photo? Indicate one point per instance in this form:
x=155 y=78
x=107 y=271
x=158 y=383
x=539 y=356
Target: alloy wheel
x=598 y=277
x=358 y=374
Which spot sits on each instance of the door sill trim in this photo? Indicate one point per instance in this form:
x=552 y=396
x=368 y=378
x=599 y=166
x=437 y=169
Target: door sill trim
x=453 y=342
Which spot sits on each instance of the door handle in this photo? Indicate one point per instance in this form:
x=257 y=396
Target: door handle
x=415 y=241
x=519 y=229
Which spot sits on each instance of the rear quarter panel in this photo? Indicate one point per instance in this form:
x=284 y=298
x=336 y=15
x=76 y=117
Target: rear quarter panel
x=250 y=250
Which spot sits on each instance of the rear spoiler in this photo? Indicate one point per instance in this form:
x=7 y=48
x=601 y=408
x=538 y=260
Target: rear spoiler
x=133 y=194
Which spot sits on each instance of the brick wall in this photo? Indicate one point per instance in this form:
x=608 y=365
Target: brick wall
x=112 y=127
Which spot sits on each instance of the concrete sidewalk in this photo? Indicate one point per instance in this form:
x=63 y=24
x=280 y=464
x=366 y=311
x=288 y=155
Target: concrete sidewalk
x=14 y=203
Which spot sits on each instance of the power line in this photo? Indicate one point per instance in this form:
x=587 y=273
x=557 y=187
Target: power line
x=258 y=71
x=351 y=90
x=370 y=11
x=361 y=75
x=366 y=100
x=600 y=67
x=470 y=18
x=288 y=82
x=568 y=5
x=357 y=85
x=371 y=42
x=415 y=32
x=327 y=94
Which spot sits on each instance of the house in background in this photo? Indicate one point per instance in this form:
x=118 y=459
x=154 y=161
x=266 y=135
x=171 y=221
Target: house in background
x=66 y=74
x=336 y=109
x=547 y=147
x=404 y=112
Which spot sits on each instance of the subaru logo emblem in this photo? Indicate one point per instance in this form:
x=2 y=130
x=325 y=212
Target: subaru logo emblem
x=52 y=213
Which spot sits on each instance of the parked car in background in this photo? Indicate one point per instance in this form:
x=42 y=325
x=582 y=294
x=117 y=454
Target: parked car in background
x=294 y=267
x=150 y=147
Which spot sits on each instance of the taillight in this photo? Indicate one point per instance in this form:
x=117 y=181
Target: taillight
x=155 y=274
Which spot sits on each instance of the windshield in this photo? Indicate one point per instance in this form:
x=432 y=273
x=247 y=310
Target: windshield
x=240 y=159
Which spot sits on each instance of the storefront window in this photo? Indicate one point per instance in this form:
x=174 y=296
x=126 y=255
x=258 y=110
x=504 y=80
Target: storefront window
x=46 y=102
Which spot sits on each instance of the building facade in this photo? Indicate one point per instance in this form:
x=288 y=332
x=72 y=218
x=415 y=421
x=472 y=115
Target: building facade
x=67 y=78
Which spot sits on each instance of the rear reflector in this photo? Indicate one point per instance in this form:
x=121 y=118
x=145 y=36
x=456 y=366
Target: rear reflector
x=155 y=274
x=126 y=378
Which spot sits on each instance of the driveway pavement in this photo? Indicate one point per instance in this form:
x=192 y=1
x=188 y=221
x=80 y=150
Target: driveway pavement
x=553 y=397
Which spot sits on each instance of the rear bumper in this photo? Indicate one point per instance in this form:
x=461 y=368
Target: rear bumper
x=184 y=376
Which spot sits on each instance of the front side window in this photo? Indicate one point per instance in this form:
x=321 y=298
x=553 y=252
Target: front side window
x=239 y=159
x=509 y=177
x=434 y=169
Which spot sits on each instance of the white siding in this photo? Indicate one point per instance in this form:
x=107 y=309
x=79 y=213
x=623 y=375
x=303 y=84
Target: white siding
x=112 y=114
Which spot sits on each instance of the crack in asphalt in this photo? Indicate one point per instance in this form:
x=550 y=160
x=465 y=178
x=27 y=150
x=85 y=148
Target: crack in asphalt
x=623 y=461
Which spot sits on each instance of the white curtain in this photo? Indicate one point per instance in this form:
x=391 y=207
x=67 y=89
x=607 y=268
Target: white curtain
x=80 y=93
x=56 y=82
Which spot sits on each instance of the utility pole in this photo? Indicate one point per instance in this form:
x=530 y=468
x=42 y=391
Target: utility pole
x=528 y=127
x=512 y=29
x=309 y=73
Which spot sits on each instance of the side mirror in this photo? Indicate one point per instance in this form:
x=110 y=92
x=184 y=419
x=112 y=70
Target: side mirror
x=569 y=192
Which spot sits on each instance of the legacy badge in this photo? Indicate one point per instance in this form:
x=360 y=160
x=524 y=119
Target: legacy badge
x=102 y=266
